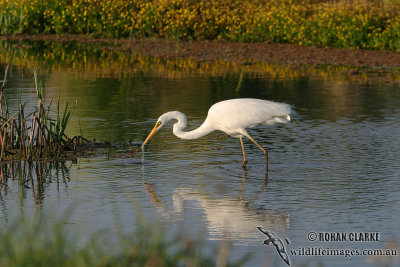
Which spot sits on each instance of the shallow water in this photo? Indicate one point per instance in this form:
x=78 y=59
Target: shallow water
x=334 y=169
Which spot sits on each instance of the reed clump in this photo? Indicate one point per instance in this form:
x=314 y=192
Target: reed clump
x=36 y=135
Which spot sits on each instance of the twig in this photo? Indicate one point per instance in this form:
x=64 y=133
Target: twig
x=9 y=120
x=5 y=76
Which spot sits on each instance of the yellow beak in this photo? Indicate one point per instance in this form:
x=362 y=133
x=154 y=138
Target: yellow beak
x=151 y=134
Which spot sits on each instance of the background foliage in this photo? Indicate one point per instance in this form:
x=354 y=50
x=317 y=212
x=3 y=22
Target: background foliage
x=370 y=24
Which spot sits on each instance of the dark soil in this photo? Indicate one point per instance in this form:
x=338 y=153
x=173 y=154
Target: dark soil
x=240 y=53
x=83 y=150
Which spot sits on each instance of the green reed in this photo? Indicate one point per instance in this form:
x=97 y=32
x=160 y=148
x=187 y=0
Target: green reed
x=36 y=135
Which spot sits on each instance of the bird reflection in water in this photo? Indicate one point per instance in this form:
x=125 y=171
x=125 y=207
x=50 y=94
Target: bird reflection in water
x=226 y=217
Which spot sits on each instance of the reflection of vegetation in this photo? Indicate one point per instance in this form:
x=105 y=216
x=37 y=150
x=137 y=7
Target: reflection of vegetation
x=32 y=176
x=40 y=242
x=107 y=62
x=365 y=24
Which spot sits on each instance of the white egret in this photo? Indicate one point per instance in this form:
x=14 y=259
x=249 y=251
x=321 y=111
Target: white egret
x=232 y=117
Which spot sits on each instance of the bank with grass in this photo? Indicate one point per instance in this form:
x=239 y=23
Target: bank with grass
x=368 y=24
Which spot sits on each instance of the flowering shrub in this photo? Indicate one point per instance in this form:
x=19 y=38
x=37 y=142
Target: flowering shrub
x=352 y=24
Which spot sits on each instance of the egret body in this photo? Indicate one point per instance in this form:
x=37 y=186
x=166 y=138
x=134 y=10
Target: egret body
x=232 y=117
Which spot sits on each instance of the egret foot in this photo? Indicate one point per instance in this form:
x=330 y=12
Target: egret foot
x=244 y=165
x=266 y=160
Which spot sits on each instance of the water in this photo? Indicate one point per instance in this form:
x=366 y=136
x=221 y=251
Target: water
x=335 y=169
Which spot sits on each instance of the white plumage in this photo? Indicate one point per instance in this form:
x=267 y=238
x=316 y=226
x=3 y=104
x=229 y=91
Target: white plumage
x=232 y=117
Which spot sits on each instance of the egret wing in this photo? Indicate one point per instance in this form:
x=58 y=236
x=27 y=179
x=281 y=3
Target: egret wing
x=242 y=113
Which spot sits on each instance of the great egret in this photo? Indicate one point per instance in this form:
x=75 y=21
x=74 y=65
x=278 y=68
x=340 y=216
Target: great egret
x=232 y=117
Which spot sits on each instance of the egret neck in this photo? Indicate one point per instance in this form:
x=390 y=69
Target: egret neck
x=179 y=126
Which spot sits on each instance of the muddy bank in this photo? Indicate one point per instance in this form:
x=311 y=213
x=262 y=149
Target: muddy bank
x=240 y=53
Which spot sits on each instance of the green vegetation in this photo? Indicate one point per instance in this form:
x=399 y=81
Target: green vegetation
x=36 y=135
x=370 y=24
x=41 y=242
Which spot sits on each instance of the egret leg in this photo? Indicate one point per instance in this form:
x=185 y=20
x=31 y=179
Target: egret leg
x=263 y=150
x=244 y=176
x=244 y=154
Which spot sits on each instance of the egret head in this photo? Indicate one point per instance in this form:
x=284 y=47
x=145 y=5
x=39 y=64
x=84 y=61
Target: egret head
x=163 y=119
x=159 y=124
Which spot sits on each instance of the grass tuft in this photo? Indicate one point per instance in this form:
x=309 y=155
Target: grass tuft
x=37 y=241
